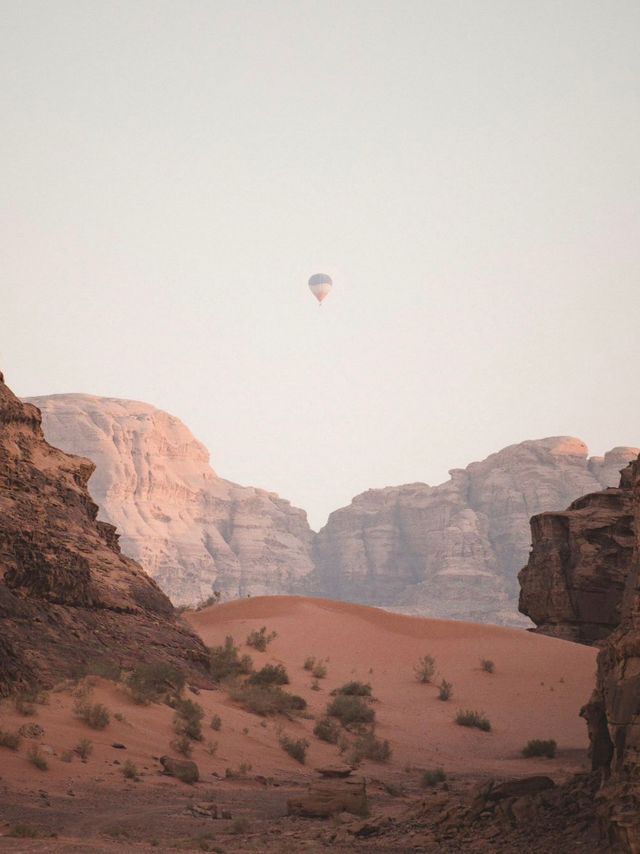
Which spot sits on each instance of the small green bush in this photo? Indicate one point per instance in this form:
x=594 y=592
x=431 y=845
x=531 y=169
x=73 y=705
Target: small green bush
x=95 y=715
x=354 y=689
x=445 y=692
x=540 y=747
x=270 y=674
x=267 y=700
x=309 y=662
x=129 y=770
x=105 y=669
x=241 y=824
x=425 y=669
x=182 y=745
x=84 y=748
x=295 y=747
x=10 y=740
x=188 y=719
x=328 y=730
x=350 y=709
x=259 y=639
x=367 y=746
x=433 y=777
x=149 y=682
x=212 y=748
x=225 y=661
x=38 y=759
x=319 y=670
x=471 y=718
x=487 y=665
x=216 y=723
x=23 y=831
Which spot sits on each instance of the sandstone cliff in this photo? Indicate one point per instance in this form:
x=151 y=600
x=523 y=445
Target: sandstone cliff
x=67 y=594
x=453 y=550
x=581 y=582
x=192 y=531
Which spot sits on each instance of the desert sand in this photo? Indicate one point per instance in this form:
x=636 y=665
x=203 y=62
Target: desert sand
x=536 y=691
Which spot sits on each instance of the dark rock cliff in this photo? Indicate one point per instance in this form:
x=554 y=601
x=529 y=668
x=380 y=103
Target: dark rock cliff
x=67 y=595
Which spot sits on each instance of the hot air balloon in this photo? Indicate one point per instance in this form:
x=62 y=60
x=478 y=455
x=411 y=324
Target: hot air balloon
x=320 y=286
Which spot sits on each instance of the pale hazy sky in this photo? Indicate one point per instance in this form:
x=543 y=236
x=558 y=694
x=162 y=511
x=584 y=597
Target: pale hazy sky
x=468 y=172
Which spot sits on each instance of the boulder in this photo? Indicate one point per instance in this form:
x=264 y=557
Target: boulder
x=331 y=796
x=184 y=769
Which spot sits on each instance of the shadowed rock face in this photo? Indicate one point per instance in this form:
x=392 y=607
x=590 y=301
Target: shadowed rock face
x=192 y=531
x=582 y=582
x=453 y=550
x=574 y=582
x=67 y=594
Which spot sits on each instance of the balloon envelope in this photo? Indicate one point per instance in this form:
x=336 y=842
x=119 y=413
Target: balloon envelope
x=320 y=285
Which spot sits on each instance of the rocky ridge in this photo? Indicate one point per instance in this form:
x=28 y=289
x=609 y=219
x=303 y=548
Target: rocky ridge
x=452 y=550
x=448 y=551
x=192 y=530
x=68 y=596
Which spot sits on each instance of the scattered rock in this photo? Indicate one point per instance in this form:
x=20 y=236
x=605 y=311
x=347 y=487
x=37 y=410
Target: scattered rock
x=184 y=769
x=31 y=731
x=330 y=796
x=118 y=745
x=335 y=770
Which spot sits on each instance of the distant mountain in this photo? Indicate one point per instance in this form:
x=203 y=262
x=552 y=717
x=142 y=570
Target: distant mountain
x=452 y=550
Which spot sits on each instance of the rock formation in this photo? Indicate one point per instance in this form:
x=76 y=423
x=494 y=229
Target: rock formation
x=453 y=550
x=581 y=582
x=449 y=551
x=68 y=597
x=192 y=531
x=574 y=582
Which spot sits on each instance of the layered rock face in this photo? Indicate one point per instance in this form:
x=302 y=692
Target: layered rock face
x=67 y=595
x=573 y=585
x=453 y=550
x=192 y=531
x=582 y=582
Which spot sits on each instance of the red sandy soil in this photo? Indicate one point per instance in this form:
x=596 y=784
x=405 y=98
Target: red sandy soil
x=536 y=691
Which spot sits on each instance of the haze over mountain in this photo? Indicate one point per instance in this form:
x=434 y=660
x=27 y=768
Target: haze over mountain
x=451 y=550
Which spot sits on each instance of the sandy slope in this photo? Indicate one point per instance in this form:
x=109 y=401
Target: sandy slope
x=536 y=691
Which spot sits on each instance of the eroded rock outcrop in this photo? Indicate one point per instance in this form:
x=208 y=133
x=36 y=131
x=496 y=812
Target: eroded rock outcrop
x=573 y=585
x=68 y=596
x=453 y=550
x=193 y=531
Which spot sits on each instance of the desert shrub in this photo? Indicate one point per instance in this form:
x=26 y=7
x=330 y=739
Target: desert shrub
x=319 y=670
x=315 y=685
x=432 y=777
x=26 y=700
x=425 y=669
x=67 y=756
x=216 y=723
x=119 y=717
x=295 y=747
x=84 y=748
x=149 y=682
x=225 y=661
x=9 y=739
x=327 y=729
x=95 y=715
x=212 y=748
x=270 y=674
x=445 y=692
x=487 y=665
x=267 y=700
x=259 y=639
x=241 y=824
x=367 y=746
x=183 y=745
x=471 y=718
x=354 y=689
x=38 y=759
x=309 y=662
x=23 y=831
x=188 y=719
x=105 y=669
x=210 y=600
x=350 y=709
x=241 y=773
x=129 y=770
x=540 y=747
